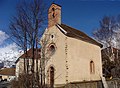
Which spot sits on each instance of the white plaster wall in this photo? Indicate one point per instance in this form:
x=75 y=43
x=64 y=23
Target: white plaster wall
x=58 y=59
x=80 y=54
x=17 y=70
x=20 y=66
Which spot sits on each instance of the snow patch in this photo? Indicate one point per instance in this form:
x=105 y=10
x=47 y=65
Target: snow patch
x=9 y=54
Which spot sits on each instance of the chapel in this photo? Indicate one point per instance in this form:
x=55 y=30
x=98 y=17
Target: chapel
x=71 y=55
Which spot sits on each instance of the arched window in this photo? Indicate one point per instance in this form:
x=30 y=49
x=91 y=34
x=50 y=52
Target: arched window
x=51 y=77
x=51 y=49
x=53 y=9
x=53 y=15
x=92 y=67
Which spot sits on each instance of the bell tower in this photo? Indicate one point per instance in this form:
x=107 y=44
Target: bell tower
x=54 y=15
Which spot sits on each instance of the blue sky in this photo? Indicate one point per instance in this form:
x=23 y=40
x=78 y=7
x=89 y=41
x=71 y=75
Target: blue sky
x=85 y=15
x=80 y=14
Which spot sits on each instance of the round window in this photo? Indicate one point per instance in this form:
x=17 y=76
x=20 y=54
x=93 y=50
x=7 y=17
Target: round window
x=51 y=49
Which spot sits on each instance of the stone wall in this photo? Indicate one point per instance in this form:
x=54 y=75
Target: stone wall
x=92 y=84
x=115 y=83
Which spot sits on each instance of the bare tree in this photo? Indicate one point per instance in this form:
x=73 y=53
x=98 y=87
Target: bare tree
x=25 y=31
x=44 y=56
x=105 y=34
x=108 y=34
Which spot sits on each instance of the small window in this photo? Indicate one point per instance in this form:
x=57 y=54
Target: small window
x=92 y=67
x=53 y=15
x=52 y=36
x=53 y=9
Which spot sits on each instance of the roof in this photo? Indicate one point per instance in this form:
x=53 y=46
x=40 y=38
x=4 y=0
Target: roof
x=8 y=71
x=74 y=33
x=55 y=4
x=30 y=55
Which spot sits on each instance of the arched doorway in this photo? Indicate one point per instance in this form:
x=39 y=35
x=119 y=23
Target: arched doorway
x=52 y=77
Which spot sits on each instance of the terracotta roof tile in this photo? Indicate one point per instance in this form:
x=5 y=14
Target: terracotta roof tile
x=8 y=71
x=30 y=55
